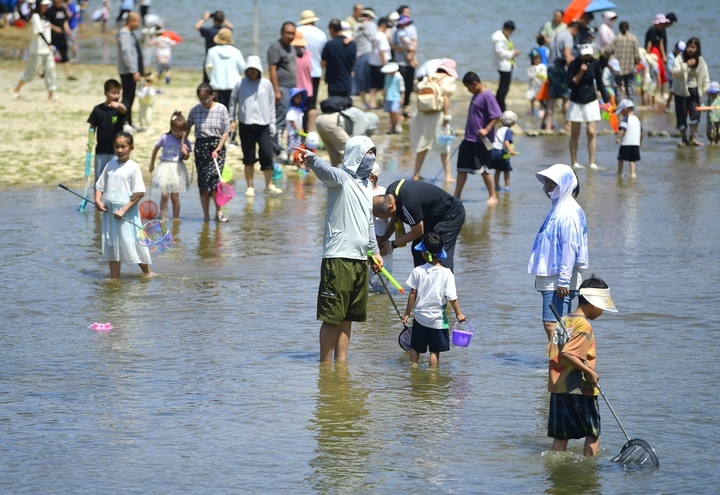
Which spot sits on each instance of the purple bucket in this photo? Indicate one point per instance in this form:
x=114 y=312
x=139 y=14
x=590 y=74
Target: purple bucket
x=460 y=337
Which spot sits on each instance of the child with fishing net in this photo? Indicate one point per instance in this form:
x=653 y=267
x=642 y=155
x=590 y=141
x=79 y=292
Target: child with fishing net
x=433 y=287
x=117 y=192
x=572 y=378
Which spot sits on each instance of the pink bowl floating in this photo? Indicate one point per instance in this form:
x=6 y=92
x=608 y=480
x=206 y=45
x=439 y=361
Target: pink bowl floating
x=100 y=327
x=460 y=337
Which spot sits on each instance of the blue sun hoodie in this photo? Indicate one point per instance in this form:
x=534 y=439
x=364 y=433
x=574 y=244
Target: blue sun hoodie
x=560 y=252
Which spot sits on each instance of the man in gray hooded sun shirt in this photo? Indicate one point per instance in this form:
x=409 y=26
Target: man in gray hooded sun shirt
x=349 y=235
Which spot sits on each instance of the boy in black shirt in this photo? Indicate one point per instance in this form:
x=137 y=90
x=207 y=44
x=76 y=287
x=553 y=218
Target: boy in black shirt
x=106 y=120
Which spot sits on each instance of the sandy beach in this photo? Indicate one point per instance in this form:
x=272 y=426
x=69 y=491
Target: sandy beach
x=44 y=142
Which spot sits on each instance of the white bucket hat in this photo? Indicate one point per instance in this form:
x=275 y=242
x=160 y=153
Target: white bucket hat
x=600 y=298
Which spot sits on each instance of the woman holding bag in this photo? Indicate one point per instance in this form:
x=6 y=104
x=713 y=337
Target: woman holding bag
x=212 y=128
x=424 y=125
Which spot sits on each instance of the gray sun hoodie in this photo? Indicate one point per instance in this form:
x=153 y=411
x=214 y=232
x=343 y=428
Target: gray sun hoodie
x=349 y=224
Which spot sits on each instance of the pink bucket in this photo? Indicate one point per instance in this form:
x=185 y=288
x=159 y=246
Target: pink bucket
x=460 y=337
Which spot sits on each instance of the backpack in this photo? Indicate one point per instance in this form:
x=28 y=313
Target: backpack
x=429 y=96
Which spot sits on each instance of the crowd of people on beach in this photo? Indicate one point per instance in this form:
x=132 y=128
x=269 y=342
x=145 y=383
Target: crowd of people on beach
x=271 y=108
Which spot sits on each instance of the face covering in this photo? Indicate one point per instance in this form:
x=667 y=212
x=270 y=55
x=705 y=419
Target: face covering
x=366 y=166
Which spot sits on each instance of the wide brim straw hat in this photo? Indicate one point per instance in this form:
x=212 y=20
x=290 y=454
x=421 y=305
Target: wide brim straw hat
x=224 y=37
x=299 y=39
x=449 y=66
x=307 y=17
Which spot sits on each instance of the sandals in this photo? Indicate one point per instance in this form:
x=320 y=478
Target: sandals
x=221 y=218
x=695 y=142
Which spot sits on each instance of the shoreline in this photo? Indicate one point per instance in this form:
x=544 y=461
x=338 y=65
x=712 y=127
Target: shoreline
x=45 y=141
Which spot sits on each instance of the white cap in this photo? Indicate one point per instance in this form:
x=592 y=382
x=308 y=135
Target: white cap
x=614 y=64
x=587 y=49
x=600 y=298
x=625 y=103
x=376 y=170
x=609 y=14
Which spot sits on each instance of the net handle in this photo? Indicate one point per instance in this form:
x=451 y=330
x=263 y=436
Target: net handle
x=141 y=228
x=559 y=322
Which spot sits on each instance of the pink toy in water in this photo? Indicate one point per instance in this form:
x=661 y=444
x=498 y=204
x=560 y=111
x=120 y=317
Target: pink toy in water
x=100 y=327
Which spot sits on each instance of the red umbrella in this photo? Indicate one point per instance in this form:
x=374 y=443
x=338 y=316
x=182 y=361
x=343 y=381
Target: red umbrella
x=575 y=10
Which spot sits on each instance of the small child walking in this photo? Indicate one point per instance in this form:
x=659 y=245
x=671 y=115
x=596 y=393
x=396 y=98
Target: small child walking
x=537 y=75
x=163 y=55
x=629 y=138
x=713 y=115
x=171 y=175
x=433 y=286
x=294 y=119
x=503 y=149
x=572 y=378
x=394 y=95
x=146 y=97
x=117 y=193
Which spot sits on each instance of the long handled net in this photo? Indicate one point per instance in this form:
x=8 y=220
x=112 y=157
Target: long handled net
x=636 y=451
x=153 y=234
x=405 y=335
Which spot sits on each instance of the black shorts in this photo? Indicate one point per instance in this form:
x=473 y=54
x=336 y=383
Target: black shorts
x=573 y=416
x=629 y=153
x=473 y=157
x=423 y=338
x=62 y=48
x=499 y=162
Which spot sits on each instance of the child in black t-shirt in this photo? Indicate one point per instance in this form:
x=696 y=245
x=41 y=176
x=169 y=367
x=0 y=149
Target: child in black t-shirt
x=106 y=120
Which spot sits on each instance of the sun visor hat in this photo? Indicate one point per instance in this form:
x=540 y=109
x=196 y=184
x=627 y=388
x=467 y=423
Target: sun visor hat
x=599 y=298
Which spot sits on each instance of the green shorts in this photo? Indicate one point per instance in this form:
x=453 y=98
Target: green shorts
x=343 y=292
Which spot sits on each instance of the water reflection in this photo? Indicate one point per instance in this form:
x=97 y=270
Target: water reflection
x=569 y=474
x=342 y=425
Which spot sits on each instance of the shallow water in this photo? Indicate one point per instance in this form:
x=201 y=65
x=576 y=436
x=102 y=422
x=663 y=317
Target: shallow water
x=209 y=381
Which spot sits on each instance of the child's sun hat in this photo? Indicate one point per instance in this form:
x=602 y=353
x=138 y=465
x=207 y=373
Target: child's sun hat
x=714 y=88
x=390 y=67
x=421 y=247
x=624 y=103
x=508 y=118
x=600 y=298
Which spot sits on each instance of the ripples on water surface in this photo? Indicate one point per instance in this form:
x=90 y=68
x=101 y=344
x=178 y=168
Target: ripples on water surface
x=209 y=382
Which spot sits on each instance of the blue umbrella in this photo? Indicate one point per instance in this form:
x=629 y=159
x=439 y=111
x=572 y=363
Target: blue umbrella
x=600 y=5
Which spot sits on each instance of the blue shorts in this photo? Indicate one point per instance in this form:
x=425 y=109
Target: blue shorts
x=392 y=106
x=561 y=305
x=423 y=338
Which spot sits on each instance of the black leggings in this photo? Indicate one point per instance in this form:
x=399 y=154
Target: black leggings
x=408 y=75
x=503 y=88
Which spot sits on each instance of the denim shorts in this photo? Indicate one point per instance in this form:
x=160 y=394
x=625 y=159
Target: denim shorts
x=561 y=305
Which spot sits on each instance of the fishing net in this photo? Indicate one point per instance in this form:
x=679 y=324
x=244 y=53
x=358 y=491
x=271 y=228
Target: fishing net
x=637 y=452
x=404 y=338
x=153 y=233
x=164 y=246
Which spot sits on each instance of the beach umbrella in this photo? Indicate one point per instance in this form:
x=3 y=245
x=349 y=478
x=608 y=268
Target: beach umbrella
x=576 y=8
x=600 y=5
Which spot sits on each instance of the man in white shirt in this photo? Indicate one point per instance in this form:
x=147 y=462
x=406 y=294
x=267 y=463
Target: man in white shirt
x=316 y=40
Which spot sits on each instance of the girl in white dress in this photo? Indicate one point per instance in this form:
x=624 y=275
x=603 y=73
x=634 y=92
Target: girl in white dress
x=171 y=175
x=117 y=192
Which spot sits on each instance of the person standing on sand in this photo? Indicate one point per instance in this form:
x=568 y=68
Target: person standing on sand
x=209 y=33
x=316 y=39
x=130 y=62
x=505 y=54
x=561 y=54
x=40 y=52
